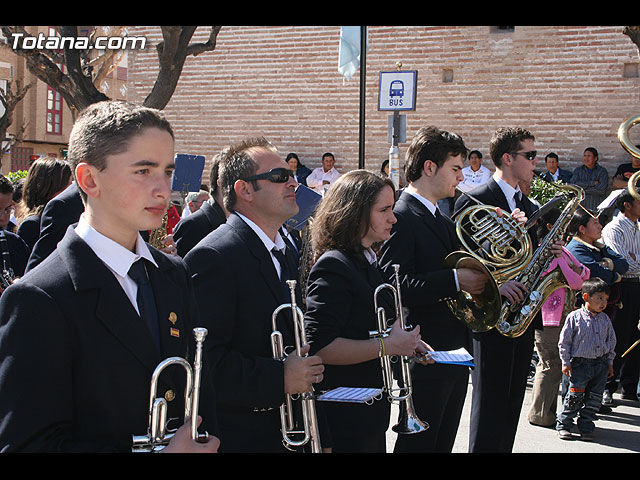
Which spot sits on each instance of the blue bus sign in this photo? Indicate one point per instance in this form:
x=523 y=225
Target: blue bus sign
x=397 y=90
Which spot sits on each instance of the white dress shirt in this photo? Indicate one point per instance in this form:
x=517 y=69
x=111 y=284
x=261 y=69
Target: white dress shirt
x=268 y=243
x=473 y=179
x=315 y=179
x=623 y=237
x=509 y=191
x=117 y=258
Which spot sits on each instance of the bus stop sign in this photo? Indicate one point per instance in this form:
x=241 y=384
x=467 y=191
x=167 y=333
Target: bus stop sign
x=397 y=90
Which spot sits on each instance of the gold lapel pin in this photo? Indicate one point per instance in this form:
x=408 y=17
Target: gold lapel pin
x=173 y=318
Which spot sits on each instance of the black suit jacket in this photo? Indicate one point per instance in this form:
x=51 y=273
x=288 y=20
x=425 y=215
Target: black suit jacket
x=238 y=288
x=419 y=246
x=76 y=359
x=18 y=253
x=198 y=225
x=60 y=212
x=340 y=304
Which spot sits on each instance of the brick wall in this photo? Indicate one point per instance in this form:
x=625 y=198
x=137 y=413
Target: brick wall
x=566 y=84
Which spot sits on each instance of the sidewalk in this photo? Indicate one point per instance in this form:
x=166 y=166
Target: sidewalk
x=617 y=432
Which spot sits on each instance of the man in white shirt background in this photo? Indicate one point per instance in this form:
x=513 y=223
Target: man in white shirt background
x=322 y=177
x=554 y=173
x=622 y=235
x=475 y=174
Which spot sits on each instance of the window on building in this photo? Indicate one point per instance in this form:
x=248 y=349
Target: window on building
x=20 y=158
x=501 y=29
x=54 y=103
x=54 y=111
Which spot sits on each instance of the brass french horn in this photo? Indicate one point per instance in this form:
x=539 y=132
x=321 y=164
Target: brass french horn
x=496 y=245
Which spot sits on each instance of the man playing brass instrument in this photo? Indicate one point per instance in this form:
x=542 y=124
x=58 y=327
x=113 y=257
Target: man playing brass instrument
x=420 y=241
x=239 y=272
x=502 y=363
x=77 y=344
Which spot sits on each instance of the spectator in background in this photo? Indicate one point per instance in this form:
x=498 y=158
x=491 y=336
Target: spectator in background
x=624 y=172
x=475 y=174
x=554 y=173
x=593 y=178
x=384 y=168
x=47 y=177
x=622 y=235
x=193 y=202
x=15 y=247
x=17 y=196
x=322 y=177
x=300 y=172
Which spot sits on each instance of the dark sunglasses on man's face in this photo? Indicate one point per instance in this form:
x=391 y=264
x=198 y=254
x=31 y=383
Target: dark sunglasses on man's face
x=275 y=175
x=528 y=155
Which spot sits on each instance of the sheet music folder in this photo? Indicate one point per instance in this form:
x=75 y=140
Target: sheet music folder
x=187 y=176
x=454 y=357
x=351 y=395
x=307 y=201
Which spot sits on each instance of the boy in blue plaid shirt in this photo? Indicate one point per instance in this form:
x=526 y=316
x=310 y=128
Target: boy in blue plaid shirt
x=587 y=343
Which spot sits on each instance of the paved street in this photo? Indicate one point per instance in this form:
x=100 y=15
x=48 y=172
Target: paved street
x=618 y=432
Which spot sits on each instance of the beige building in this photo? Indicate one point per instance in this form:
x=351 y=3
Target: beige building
x=571 y=85
x=43 y=112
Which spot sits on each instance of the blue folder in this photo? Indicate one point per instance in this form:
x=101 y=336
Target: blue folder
x=187 y=176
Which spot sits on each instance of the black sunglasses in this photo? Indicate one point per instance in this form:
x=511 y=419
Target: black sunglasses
x=275 y=175
x=528 y=155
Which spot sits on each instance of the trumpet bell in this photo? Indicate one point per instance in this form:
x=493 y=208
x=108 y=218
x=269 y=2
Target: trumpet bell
x=409 y=423
x=479 y=312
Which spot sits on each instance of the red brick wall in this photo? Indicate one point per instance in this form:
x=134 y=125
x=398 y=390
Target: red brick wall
x=565 y=84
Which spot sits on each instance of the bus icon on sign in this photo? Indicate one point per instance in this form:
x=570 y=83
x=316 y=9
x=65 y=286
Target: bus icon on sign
x=396 y=89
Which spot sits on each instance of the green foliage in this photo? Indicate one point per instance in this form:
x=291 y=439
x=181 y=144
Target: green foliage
x=13 y=176
x=542 y=191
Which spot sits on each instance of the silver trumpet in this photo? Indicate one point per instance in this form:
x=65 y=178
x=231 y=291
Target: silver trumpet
x=310 y=434
x=409 y=422
x=158 y=436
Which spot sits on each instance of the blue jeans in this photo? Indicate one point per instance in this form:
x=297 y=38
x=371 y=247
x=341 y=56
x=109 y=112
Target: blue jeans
x=584 y=395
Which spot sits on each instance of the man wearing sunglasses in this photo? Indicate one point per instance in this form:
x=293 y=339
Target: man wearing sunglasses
x=502 y=363
x=239 y=275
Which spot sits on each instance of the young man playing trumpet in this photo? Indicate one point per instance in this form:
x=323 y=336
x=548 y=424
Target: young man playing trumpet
x=77 y=346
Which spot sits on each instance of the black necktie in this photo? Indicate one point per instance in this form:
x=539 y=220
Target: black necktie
x=282 y=260
x=146 y=300
x=442 y=224
x=518 y=198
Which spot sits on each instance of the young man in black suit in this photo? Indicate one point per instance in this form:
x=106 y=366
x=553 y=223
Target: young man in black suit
x=502 y=363
x=75 y=327
x=239 y=282
x=206 y=219
x=420 y=241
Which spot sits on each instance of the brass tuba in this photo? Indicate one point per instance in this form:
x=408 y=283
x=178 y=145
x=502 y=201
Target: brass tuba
x=409 y=422
x=310 y=433
x=625 y=141
x=515 y=318
x=496 y=245
x=158 y=436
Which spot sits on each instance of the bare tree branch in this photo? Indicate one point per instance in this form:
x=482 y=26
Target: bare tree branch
x=10 y=100
x=634 y=34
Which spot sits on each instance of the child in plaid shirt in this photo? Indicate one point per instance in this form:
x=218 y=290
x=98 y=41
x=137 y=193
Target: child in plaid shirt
x=587 y=343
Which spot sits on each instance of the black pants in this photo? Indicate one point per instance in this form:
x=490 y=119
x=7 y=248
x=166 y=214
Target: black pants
x=439 y=402
x=625 y=325
x=499 y=382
